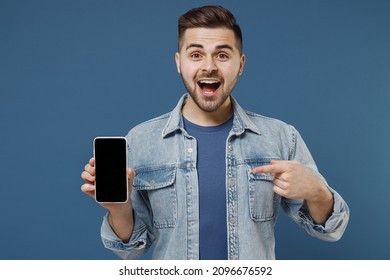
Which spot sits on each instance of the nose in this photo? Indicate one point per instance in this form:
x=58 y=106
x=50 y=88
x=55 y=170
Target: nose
x=209 y=65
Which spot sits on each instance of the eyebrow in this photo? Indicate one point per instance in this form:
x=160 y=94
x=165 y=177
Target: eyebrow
x=219 y=47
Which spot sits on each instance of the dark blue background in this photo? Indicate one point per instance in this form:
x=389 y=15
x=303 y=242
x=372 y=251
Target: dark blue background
x=72 y=70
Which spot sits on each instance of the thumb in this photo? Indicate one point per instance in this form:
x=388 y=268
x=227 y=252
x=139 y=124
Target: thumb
x=130 y=175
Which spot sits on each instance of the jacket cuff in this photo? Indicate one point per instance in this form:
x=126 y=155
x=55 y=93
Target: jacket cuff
x=335 y=225
x=138 y=239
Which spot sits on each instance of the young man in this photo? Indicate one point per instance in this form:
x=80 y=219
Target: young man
x=207 y=179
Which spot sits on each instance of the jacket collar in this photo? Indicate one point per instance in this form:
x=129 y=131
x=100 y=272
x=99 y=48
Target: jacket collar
x=241 y=121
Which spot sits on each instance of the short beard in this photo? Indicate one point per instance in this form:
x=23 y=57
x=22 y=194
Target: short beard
x=208 y=104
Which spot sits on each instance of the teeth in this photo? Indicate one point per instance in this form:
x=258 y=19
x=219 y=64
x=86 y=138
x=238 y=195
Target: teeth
x=208 y=82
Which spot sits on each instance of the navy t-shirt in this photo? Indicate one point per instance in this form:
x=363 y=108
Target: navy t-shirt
x=211 y=166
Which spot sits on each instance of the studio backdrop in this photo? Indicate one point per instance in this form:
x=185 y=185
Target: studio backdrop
x=73 y=70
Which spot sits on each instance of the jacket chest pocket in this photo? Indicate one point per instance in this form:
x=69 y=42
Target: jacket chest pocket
x=263 y=201
x=161 y=193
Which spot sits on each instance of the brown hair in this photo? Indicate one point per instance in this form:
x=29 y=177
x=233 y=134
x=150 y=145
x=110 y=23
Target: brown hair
x=209 y=17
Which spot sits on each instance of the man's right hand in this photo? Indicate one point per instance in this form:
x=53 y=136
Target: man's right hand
x=120 y=214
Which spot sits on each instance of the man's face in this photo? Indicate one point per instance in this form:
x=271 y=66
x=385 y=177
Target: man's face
x=210 y=64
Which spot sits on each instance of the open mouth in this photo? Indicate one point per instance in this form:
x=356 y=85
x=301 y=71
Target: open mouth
x=209 y=86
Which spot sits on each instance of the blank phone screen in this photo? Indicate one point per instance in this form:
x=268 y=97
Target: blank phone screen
x=111 y=169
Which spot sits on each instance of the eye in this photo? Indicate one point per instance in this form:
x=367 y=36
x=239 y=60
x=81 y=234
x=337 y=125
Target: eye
x=222 y=56
x=195 y=56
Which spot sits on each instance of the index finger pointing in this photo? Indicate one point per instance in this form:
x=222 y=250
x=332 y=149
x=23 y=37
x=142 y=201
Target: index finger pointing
x=276 y=167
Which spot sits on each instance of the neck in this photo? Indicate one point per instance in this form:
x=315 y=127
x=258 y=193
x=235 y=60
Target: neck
x=196 y=115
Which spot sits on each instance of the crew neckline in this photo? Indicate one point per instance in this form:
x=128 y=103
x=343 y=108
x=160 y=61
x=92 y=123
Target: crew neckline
x=191 y=125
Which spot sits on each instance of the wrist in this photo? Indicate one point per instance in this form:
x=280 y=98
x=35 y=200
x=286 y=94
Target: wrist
x=320 y=193
x=120 y=211
x=121 y=222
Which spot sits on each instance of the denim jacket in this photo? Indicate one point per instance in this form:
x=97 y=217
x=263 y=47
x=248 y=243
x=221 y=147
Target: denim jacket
x=165 y=190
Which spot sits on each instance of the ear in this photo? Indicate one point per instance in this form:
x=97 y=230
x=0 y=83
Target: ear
x=242 y=64
x=177 y=59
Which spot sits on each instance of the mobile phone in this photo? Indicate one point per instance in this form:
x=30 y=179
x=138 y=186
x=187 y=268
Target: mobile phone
x=111 y=184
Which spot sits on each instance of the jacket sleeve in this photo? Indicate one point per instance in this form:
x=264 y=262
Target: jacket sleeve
x=297 y=209
x=141 y=238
